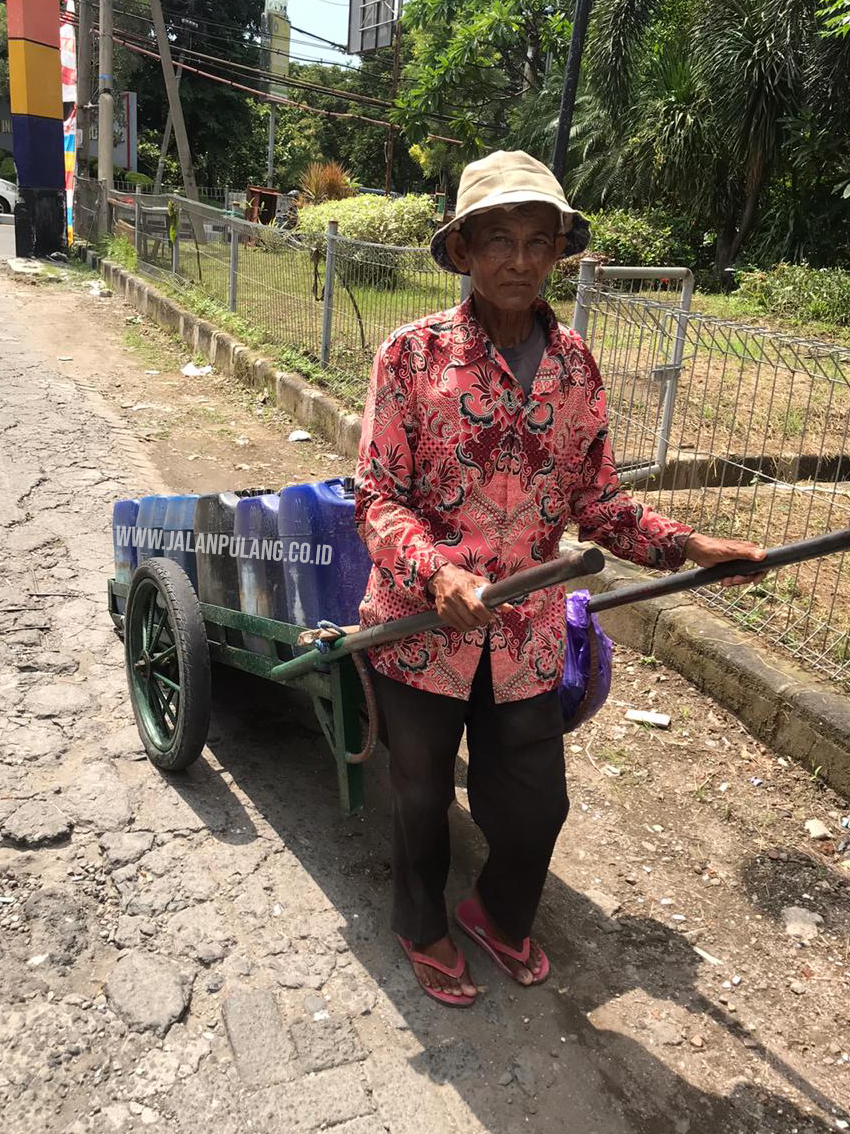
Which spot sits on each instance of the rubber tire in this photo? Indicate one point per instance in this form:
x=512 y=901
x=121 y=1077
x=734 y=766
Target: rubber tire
x=193 y=661
x=5 y=207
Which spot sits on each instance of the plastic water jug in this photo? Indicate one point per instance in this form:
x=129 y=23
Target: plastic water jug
x=124 y=513
x=215 y=554
x=149 y=526
x=178 y=534
x=326 y=564
x=260 y=568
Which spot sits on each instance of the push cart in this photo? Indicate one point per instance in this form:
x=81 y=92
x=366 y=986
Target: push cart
x=170 y=639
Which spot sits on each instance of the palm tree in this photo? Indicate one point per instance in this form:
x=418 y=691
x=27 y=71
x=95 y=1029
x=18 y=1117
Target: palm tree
x=691 y=104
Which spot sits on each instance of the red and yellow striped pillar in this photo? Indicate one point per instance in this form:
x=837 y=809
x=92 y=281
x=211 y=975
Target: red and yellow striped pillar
x=35 y=85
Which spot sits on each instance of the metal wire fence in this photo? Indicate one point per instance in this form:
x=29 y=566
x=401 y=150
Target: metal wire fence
x=753 y=446
x=737 y=430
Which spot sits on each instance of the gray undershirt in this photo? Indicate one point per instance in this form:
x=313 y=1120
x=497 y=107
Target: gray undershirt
x=524 y=359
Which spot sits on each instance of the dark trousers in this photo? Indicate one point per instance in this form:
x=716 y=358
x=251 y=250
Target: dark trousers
x=517 y=796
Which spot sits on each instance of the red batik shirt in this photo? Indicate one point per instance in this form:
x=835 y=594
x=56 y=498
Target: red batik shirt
x=457 y=466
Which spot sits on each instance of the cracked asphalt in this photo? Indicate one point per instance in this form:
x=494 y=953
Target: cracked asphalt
x=212 y=951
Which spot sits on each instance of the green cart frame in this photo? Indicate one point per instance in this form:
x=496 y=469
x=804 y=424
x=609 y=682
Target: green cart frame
x=170 y=638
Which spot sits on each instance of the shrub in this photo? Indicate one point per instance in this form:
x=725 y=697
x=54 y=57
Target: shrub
x=800 y=292
x=638 y=239
x=630 y=239
x=377 y=220
x=325 y=181
x=400 y=221
x=140 y=179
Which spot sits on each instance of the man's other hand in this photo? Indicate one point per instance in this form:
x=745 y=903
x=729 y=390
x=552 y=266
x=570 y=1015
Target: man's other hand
x=706 y=551
x=455 y=600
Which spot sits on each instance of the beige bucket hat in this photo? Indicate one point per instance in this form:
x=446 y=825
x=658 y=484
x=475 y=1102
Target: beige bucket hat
x=500 y=181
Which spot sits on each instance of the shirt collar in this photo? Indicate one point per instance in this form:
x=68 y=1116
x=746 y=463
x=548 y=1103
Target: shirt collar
x=470 y=341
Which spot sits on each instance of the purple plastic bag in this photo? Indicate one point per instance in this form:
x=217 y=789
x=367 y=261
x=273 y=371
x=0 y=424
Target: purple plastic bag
x=576 y=705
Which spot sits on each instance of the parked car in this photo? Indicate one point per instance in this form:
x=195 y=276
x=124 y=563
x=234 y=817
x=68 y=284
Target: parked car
x=8 y=196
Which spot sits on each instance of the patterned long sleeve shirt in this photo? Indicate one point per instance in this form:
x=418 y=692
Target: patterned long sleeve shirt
x=456 y=465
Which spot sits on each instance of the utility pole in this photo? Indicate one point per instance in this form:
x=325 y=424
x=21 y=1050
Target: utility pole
x=272 y=136
x=181 y=137
x=166 y=139
x=568 y=97
x=84 y=60
x=396 y=72
x=105 y=115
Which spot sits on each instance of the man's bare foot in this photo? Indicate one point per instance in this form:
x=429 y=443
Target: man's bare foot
x=525 y=974
x=445 y=952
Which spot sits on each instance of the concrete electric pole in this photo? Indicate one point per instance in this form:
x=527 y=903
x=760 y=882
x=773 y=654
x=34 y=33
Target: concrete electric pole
x=190 y=188
x=105 y=116
x=166 y=141
x=84 y=85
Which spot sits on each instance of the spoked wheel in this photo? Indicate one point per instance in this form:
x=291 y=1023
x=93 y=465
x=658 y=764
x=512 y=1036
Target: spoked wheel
x=168 y=664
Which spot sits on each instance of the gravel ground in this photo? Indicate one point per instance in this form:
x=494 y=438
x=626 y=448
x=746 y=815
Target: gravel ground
x=211 y=950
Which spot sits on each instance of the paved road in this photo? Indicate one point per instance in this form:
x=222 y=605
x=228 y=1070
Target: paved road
x=210 y=951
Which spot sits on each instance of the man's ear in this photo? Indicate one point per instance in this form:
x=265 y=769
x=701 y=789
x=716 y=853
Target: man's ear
x=456 y=248
x=560 y=243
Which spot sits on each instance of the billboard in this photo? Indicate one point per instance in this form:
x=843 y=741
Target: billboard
x=370 y=25
x=278 y=33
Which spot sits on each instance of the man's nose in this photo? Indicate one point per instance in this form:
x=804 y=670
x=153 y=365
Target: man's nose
x=521 y=258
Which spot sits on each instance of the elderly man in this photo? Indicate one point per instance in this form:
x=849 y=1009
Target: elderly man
x=484 y=435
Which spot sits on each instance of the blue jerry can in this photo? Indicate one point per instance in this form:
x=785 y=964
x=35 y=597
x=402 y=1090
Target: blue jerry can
x=325 y=562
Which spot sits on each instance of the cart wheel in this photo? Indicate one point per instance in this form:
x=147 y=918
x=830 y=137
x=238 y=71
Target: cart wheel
x=168 y=664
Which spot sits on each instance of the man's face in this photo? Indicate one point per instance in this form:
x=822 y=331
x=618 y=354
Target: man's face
x=508 y=252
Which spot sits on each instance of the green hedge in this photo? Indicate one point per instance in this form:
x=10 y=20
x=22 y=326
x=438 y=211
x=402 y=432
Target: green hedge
x=407 y=221
x=632 y=239
x=800 y=292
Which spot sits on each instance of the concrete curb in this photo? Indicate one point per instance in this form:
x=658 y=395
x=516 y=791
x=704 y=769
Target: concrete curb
x=312 y=408
x=800 y=717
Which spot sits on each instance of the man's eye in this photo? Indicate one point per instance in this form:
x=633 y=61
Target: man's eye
x=500 y=242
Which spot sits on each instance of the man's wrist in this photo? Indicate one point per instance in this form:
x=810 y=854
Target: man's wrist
x=429 y=582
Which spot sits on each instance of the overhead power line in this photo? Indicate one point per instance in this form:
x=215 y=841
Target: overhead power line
x=230 y=25
x=278 y=99
x=296 y=83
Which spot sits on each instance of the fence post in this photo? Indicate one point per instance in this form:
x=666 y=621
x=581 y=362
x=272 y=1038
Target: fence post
x=673 y=371
x=175 y=250
x=137 y=220
x=232 y=292
x=586 y=280
x=328 y=302
x=465 y=288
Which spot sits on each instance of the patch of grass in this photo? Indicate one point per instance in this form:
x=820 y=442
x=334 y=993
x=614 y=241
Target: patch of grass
x=119 y=249
x=153 y=354
x=347 y=386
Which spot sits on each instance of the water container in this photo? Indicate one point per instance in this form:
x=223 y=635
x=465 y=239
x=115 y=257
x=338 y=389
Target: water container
x=124 y=513
x=260 y=570
x=218 y=580
x=325 y=562
x=149 y=526
x=178 y=534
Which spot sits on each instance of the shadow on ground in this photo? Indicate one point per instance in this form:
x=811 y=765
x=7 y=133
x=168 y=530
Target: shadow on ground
x=567 y=1073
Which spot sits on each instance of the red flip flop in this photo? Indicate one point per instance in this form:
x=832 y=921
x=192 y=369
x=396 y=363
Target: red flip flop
x=473 y=921
x=448 y=998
